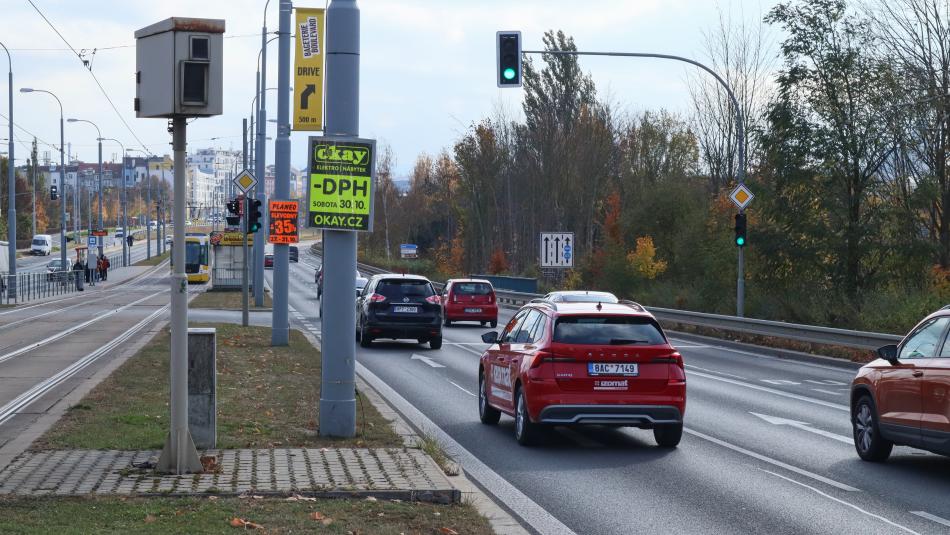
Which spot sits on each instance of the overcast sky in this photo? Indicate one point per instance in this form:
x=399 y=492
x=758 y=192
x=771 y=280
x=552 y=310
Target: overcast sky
x=427 y=66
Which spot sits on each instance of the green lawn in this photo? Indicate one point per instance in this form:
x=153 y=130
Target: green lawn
x=66 y=516
x=154 y=261
x=226 y=301
x=267 y=397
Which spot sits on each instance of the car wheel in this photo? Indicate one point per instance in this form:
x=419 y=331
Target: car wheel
x=668 y=435
x=365 y=338
x=494 y=323
x=526 y=431
x=868 y=442
x=486 y=413
x=435 y=343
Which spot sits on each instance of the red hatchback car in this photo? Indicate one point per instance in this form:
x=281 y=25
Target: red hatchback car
x=470 y=300
x=902 y=398
x=583 y=363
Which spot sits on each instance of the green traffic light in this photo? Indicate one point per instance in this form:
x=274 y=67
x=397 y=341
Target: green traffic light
x=740 y=241
x=509 y=74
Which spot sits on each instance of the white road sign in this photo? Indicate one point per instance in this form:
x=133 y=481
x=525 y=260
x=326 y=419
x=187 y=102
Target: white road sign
x=245 y=181
x=557 y=249
x=741 y=196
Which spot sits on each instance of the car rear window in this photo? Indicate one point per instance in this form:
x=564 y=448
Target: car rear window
x=471 y=288
x=592 y=297
x=39 y=241
x=397 y=289
x=607 y=330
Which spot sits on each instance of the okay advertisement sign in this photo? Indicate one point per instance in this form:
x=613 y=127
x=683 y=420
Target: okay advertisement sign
x=342 y=173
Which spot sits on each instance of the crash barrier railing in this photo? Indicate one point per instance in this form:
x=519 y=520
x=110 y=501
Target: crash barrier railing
x=776 y=329
x=25 y=287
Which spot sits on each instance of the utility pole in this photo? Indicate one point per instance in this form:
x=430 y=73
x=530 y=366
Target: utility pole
x=280 y=330
x=62 y=170
x=245 y=320
x=99 y=138
x=260 y=160
x=338 y=392
x=33 y=157
x=11 y=186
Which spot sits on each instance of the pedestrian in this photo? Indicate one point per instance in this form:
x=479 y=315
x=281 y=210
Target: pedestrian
x=99 y=274
x=78 y=268
x=105 y=267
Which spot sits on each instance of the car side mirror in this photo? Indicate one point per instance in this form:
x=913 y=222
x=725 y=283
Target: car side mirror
x=490 y=337
x=888 y=353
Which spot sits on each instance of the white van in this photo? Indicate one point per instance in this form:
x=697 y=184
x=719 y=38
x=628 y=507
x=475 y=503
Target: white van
x=42 y=244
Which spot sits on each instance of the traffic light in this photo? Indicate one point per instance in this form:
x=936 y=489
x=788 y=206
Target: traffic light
x=740 y=230
x=234 y=209
x=509 y=59
x=53 y=193
x=254 y=216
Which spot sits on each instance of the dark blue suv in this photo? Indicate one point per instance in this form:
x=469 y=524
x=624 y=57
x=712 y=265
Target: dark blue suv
x=399 y=306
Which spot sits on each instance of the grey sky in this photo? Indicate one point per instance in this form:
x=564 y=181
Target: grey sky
x=427 y=66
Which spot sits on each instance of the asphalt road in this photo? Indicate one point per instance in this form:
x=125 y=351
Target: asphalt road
x=767 y=447
x=37 y=264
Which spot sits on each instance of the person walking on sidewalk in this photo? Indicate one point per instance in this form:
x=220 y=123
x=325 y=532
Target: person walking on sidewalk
x=78 y=268
x=105 y=267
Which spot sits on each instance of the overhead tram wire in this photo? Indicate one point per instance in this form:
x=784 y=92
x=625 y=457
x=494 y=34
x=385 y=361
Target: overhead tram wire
x=116 y=47
x=94 y=77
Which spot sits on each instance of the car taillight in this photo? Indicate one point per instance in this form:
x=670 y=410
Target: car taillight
x=491 y=297
x=539 y=358
x=377 y=298
x=434 y=299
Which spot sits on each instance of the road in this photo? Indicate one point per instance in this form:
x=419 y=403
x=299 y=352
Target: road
x=34 y=264
x=47 y=349
x=767 y=447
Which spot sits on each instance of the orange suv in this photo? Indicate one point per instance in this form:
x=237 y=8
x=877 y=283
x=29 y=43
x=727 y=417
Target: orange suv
x=903 y=397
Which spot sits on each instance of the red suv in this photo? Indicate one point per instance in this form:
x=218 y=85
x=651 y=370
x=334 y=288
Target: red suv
x=583 y=363
x=904 y=396
x=470 y=300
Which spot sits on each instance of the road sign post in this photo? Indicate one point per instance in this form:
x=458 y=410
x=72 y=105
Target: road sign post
x=741 y=196
x=338 y=391
x=244 y=182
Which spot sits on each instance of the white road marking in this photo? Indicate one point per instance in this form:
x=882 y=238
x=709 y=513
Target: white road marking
x=463 y=389
x=775 y=462
x=806 y=399
x=935 y=518
x=67 y=332
x=678 y=346
x=780 y=382
x=427 y=360
x=826 y=367
x=842 y=502
x=804 y=426
x=826 y=382
x=463 y=348
x=692 y=367
x=516 y=501
x=829 y=392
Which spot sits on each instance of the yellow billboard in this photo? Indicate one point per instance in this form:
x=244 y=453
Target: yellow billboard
x=308 y=69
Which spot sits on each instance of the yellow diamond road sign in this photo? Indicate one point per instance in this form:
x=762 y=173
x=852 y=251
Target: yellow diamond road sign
x=741 y=196
x=245 y=181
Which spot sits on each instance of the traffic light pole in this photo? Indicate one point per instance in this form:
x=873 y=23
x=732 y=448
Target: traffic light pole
x=245 y=321
x=740 y=133
x=338 y=393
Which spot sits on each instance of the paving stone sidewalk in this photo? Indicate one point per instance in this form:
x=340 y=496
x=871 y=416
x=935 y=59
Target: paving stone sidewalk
x=393 y=473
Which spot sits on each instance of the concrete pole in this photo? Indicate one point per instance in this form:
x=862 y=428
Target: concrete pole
x=280 y=329
x=148 y=208
x=179 y=456
x=338 y=393
x=62 y=183
x=33 y=201
x=125 y=216
x=11 y=187
x=261 y=161
x=245 y=320
x=100 y=194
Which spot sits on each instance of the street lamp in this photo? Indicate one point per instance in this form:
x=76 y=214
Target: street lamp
x=99 y=139
x=125 y=220
x=11 y=187
x=148 y=203
x=62 y=170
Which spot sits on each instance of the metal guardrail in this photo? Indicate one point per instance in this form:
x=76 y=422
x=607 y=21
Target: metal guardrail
x=777 y=329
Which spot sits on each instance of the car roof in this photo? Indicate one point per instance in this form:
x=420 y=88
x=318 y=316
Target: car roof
x=400 y=276
x=624 y=308
x=483 y=281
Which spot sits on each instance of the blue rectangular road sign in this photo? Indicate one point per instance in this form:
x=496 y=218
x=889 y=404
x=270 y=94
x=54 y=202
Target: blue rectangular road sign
x=92 y=241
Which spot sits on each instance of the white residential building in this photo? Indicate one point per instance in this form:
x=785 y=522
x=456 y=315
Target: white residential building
x=209 y=180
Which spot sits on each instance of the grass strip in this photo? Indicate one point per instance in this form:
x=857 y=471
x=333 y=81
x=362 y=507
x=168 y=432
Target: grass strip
x=226 y=300
x=267 y=397
x=154 y=261
x=64 y=516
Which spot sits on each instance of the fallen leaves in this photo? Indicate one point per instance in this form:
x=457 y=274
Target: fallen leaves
x=246 y=524
x=150 y=519
x=210 y=463
x=299 y=498
x=317 y=516
x=448 y=531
